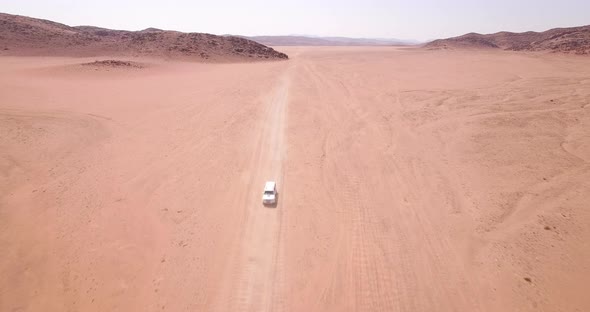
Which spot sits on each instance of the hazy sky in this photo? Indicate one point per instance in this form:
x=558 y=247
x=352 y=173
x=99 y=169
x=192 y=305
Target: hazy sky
x=420 y=19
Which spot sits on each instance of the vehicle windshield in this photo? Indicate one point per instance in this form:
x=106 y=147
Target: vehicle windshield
x=268 y=192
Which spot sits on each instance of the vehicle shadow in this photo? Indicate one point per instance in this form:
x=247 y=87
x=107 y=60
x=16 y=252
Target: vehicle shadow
x=273 y=205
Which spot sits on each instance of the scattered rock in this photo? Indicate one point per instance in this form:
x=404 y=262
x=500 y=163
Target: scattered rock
x=114 y=64
x=528 y=279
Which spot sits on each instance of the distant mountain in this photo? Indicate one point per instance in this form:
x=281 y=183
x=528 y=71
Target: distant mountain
x=296 y=40
x=574 y=40
x=20 y=35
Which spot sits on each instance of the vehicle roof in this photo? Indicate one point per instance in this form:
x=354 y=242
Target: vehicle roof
x=269 y=186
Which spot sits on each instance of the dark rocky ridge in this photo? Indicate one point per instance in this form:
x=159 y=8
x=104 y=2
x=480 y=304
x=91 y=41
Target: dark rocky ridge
x=20 y=35
x=574 y=40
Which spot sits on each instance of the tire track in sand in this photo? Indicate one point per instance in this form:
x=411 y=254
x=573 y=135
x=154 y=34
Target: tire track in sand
x=256 y=267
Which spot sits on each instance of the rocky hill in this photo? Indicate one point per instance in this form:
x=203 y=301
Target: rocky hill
x=575 y=40
x=20 y=35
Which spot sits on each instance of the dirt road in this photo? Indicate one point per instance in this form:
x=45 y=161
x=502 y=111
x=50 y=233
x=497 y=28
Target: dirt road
x=408 y=180
x=256 y=258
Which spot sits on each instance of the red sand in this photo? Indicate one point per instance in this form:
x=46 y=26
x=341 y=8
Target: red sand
x=409 y=180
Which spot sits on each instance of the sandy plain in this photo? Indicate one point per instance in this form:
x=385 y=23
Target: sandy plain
x=409 y=180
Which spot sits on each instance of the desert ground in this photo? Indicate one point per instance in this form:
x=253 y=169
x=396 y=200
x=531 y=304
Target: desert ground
x=408 y=180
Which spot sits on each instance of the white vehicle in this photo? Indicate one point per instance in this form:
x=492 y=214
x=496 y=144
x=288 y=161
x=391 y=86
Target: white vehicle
x=269 y=197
